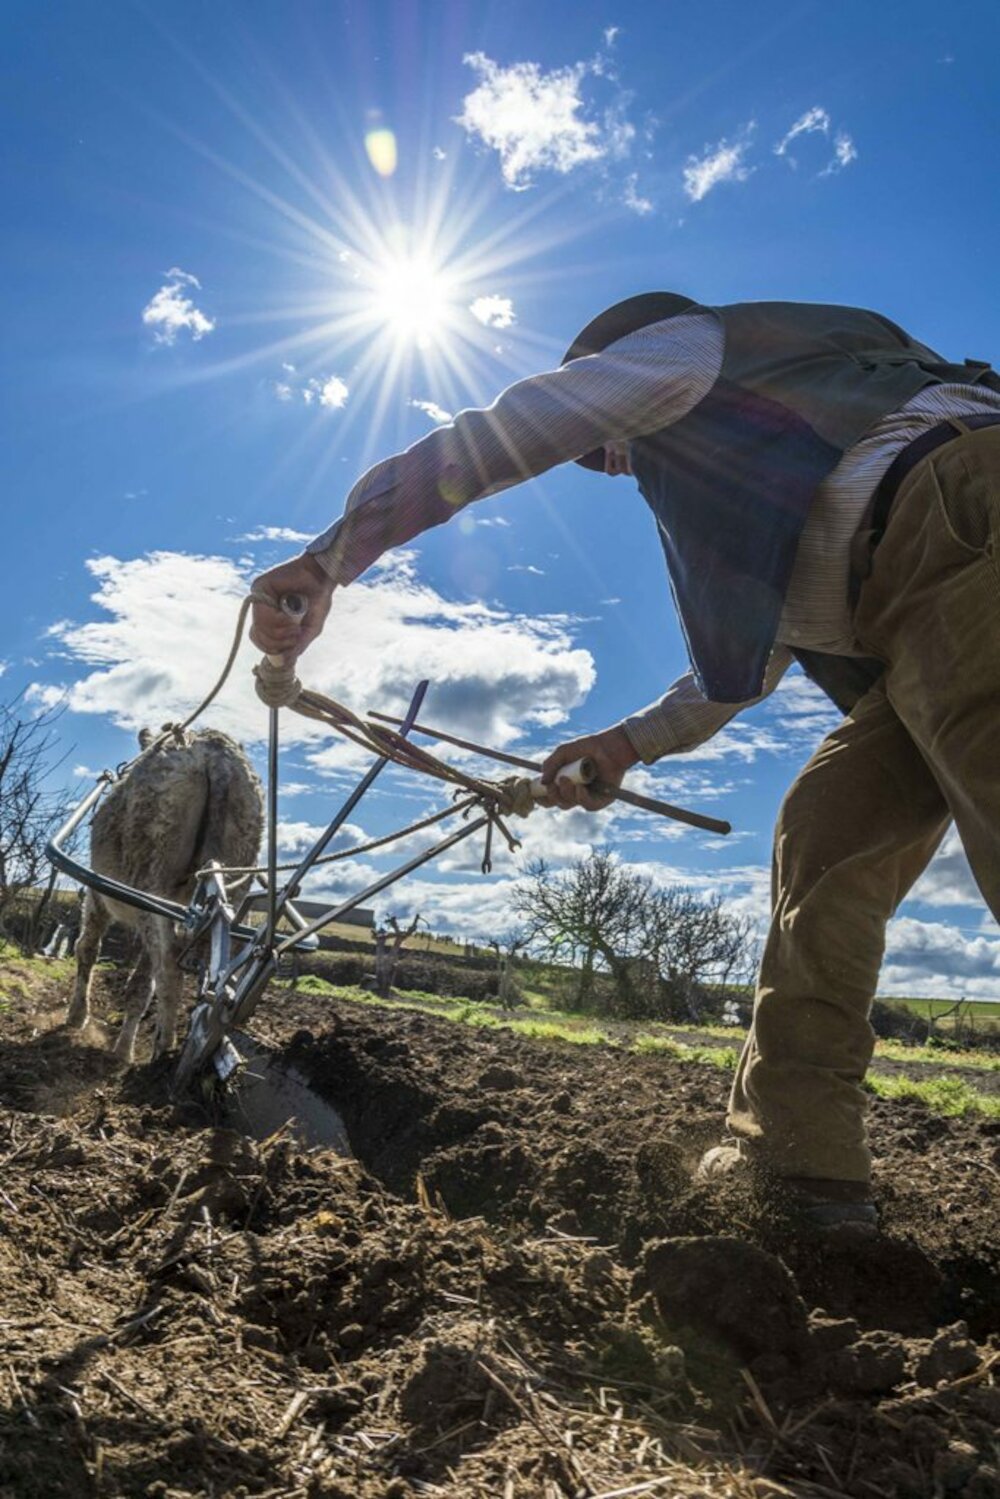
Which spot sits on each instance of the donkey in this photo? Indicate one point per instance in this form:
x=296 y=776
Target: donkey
x=184 y=802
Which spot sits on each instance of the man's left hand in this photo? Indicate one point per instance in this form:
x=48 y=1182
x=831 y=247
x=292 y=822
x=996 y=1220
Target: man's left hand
x=611 y=751
x=275 y=632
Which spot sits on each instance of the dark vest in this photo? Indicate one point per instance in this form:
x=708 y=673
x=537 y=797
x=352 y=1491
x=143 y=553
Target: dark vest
x=730 y=484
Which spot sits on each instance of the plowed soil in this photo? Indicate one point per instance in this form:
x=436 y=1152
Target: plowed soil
x=512 y=1290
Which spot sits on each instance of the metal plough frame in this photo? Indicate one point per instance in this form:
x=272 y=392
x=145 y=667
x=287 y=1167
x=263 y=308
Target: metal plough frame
x=242 y=959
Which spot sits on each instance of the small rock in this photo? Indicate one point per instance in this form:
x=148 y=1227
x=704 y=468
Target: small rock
x=500 y=1079
x=873 y=1365
x=951 y=1354
x=828 y=1334
x=351 y=1335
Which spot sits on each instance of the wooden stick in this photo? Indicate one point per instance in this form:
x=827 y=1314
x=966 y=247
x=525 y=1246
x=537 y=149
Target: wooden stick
x=600 y=788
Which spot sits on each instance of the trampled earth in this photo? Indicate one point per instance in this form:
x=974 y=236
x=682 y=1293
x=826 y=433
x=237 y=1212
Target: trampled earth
x=514 y=1289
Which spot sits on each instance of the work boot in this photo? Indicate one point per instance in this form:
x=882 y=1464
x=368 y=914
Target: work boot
x=817 y=1202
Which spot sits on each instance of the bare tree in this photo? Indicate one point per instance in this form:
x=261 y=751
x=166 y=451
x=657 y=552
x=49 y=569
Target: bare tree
x=590 y=916
x=387 y=953
x=31 y=810
x=699 y=950
x=664 y=950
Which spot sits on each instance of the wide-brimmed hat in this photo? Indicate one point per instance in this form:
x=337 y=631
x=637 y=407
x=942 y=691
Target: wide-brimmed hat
x=614 y=323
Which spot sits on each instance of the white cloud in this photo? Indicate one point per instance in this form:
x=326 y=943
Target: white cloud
x=814 y=119
x=493 y=312
x=817 y=121
x=538 y=121
x=46 y=695
x=527 y=567
x=932 y=958
x=438 y=154
x=948 y=880
x=740 y=740
x=633 y=199
x=331 y=390
x=171 y=311
x=721 y=163
x=165 y=621
x=275 y=533
x=494 y=520
x=844 y=152
x=801 y=712
x=298 y=837
x=433 y=410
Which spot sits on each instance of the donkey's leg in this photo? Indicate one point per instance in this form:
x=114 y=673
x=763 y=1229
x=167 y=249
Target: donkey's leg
x=135 y=1002
x=168 y=981
x=94 y=923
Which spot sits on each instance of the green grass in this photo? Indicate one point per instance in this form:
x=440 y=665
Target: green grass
x=938 y=1056
x=17 y=972
x=950 y=1096
x=556 y=1026
x=547 y=1030
x=725 y=1057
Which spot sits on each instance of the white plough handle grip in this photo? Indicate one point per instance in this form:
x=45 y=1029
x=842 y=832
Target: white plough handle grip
x=580 y=773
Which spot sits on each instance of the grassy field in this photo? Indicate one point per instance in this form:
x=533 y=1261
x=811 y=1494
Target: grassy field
x=970 y=1019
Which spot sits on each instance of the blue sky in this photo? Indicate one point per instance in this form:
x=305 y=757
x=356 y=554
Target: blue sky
x=209 y=211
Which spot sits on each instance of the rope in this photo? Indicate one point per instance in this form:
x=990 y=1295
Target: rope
x=176 y=731
x=278 y=687
x=350 y=853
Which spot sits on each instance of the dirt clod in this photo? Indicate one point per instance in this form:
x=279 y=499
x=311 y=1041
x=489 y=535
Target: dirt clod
x=738 y=1293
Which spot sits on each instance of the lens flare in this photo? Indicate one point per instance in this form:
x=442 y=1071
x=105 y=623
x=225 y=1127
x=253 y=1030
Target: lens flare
x=380 y=146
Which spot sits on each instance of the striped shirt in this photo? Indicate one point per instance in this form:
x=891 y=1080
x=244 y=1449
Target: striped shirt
x=640 y=384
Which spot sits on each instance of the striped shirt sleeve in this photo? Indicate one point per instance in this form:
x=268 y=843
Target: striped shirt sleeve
x=682 y=719
x=639 y=384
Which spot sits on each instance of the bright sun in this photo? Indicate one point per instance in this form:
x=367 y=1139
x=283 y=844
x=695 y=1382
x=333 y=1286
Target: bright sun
x=412 y=299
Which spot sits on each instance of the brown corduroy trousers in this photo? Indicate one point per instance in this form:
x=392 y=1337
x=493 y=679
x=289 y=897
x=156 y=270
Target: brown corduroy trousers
x=866 y=814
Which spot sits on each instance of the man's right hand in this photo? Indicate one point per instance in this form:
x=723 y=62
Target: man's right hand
x=275 y=632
